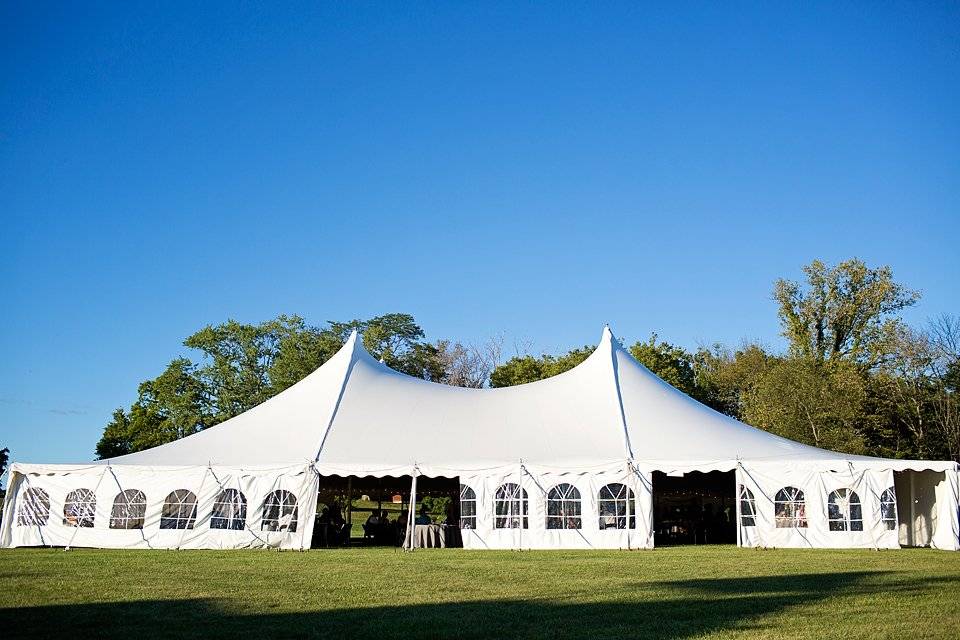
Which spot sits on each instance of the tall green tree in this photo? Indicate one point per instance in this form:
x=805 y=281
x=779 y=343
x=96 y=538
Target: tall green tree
x=847 y=312
x=4 y=459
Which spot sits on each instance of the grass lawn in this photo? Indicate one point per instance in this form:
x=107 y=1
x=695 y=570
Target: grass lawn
x=688 y=592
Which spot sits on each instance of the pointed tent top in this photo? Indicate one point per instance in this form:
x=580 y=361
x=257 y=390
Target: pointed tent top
x=608 y=339
x=353 y=341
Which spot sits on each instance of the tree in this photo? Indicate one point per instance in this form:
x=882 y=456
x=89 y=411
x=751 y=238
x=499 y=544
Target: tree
x=726 y=378
x=847 y=312
x=117 y=439
x=239 y=357
x=800 y=399
x=462 y=366
x=670 y=363
x=4 y=459
x=242 y=365
x=527 y=368
x=944 y=336
x=398 y=340
x=301 y=349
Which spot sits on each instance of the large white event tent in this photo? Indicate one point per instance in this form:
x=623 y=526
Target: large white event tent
x=588 y=440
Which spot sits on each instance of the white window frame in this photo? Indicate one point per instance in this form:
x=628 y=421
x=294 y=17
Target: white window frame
x=748 y=507
x=80 y=508
x=614 y=507
x=129 y=510
x=794 y=503
x=889 y=498
x=468 y=497
x=565 y=499
x=179 y=510
x=33 y=507
x=229 y=511
x=280 y=512
x=511 y=507
x=842 y=505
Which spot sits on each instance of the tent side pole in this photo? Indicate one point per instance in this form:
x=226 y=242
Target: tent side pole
x=523 y=507
x=913 y=511
x=629 y=500
x=410 y=539
x=736 y=498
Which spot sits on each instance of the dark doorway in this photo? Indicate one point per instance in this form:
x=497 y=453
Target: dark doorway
x=356 y=510
x=696 y=508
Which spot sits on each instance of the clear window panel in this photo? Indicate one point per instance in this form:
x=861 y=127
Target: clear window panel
x=280 y=512
x=33 y=508
x=179 y=510
x=80 y=508
x=229 y=511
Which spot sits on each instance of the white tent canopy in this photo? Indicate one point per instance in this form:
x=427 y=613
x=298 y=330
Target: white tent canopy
x=609 y=418
x=357 y=413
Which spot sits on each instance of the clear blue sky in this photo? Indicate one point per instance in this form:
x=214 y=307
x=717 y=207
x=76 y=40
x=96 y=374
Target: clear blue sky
x=538 y=171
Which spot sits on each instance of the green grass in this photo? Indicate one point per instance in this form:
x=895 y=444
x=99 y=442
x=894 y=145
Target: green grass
x=688 y=592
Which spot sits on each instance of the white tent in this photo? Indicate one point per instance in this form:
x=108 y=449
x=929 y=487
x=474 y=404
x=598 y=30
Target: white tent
x=589 y=439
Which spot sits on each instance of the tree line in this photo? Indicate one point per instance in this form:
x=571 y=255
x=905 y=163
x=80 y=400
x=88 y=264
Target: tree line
x=853 y=378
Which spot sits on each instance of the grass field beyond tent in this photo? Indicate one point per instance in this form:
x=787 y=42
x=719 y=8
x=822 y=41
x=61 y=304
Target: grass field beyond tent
x=688 y=592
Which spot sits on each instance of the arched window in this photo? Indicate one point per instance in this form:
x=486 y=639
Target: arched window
x=468 y=507
x=563 y=507
x=179 y=510
x=613 y=502
x=229 y=510
x=129 y=510
x=510 y=507
x=280 y=512
x=33 y=509
x=843 y=511
x=888 y=508
x=79 y=508
x=789 y=510
x=748 y=508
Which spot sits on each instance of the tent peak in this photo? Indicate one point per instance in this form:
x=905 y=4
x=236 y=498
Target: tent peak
x=607 y=339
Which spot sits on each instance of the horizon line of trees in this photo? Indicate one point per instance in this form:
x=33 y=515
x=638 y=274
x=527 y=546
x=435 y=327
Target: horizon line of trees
x=854 y=377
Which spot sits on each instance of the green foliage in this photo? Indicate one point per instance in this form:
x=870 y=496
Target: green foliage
x=436 y=507
x=242 y=365
x=811 y=402
x=670 y=363
x=524 y=369
x=398 y=340
x=727 y=377
x=847 y=312
x=4 y=459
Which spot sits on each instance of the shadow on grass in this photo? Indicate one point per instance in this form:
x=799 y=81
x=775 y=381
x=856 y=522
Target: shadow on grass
x=661 y=610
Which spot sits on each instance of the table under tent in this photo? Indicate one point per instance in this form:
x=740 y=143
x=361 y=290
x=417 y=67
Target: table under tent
x=606 y=455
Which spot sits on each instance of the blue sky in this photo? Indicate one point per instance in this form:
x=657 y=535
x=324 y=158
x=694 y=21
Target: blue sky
x=531 y=170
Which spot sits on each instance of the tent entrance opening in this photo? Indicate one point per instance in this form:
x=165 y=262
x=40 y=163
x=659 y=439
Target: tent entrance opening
x=696 y=508
x=368 y=511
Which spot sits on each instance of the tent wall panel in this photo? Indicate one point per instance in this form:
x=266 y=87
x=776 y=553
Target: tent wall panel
x=865 y=531
x=156 y=483
x=537 y=485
